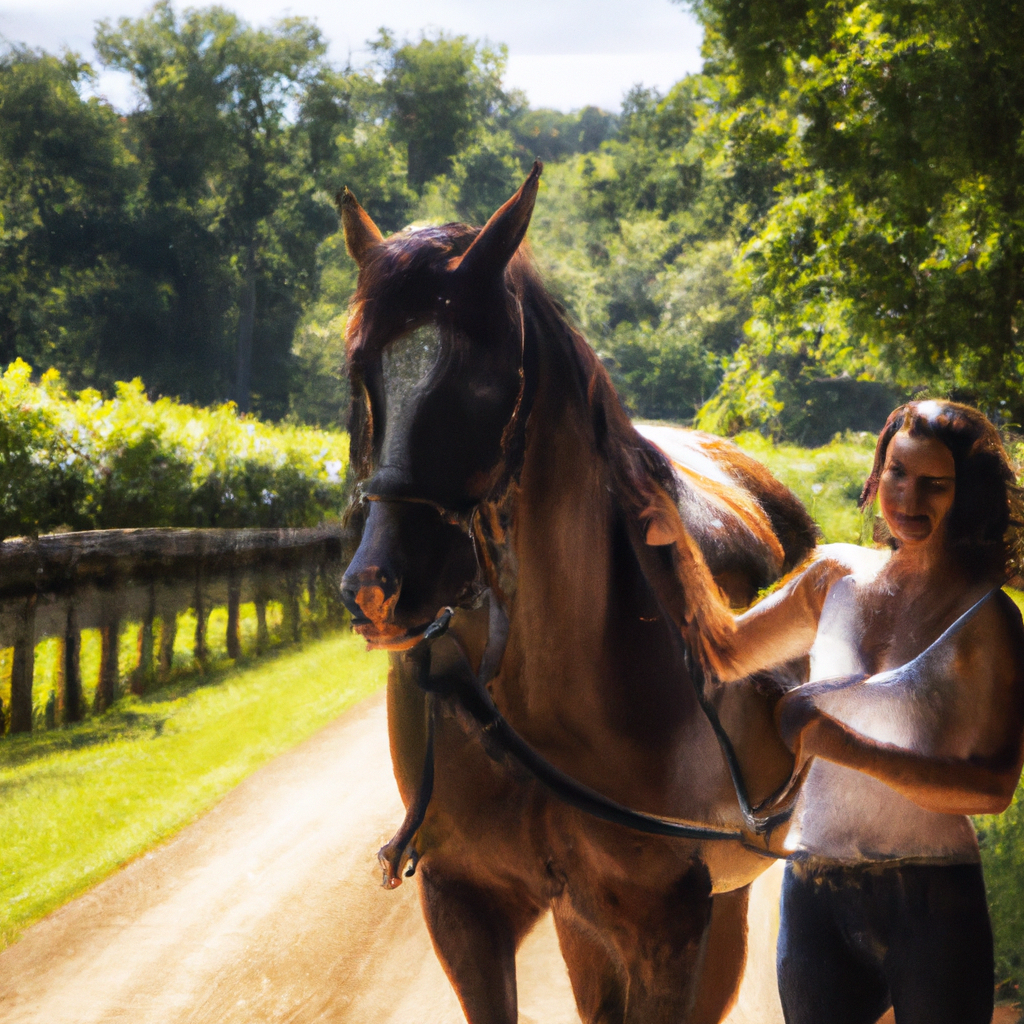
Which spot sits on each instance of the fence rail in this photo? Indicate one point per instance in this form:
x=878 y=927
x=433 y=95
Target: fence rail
x=59 y=584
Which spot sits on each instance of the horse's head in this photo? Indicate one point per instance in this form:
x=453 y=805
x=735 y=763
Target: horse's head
x=434 y=351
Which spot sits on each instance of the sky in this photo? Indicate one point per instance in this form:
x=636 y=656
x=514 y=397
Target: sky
x=564 y=54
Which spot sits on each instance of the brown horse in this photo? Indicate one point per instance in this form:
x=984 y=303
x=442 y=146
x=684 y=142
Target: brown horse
x=494 y=456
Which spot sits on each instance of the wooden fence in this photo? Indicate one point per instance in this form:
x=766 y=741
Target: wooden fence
x=59 y=584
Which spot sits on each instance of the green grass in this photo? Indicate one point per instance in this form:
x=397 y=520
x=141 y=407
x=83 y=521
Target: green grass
x=828 y=480
x=80 y=802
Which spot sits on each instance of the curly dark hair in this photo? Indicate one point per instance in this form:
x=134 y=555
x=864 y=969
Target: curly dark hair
x=984 y=524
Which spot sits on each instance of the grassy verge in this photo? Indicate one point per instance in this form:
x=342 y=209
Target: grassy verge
x=828 y=480
x=79 y=802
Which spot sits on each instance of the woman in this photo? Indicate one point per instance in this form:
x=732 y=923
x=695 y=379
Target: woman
x=913 y=719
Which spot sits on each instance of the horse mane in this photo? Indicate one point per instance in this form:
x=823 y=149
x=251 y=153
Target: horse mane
x=646 y=486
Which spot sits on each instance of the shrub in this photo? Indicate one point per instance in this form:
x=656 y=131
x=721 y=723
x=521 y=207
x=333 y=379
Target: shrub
x=1002 y=854
x=86 y=462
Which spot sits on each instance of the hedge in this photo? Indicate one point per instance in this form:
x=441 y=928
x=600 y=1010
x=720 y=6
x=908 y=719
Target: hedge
x=82 y=462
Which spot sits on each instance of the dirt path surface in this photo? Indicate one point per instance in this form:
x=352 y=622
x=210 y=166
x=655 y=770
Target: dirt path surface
x=268 y=910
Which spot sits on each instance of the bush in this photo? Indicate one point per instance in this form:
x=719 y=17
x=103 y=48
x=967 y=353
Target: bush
x=1002 y=854
x=828 y=480
x=86 y=462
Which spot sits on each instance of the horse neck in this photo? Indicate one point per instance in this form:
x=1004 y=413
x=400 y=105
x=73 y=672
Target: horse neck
x=586 y=632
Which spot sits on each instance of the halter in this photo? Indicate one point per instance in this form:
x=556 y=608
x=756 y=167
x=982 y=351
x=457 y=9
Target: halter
x=463 y=520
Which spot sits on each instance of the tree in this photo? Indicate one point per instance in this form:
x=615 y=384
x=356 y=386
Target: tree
x=227 y=188
x=895 y=245
x=439 y=92
x=552 y=135
x=68 y=180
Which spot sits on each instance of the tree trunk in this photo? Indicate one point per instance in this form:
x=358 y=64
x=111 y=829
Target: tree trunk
x=246 y=325
x=23 y=666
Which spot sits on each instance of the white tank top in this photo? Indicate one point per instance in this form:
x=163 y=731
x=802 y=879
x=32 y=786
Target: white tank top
x=845 y=816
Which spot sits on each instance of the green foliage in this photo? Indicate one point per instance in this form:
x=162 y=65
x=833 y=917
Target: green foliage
x=439 y=92
x=90 y=463
x=1002 y=855
x=320 y=394
x=827 y=479
x=637 y=241
x=225 y=186
x=484 y=175
x=828 y=219
x=893 y=245
x=66 y=166
x=551 y=135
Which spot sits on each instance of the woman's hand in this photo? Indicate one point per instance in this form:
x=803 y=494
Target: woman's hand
x=793 y=715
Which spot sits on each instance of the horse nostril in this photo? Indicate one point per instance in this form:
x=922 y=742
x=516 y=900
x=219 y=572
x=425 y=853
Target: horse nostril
x=348 y=599
x=369 y=595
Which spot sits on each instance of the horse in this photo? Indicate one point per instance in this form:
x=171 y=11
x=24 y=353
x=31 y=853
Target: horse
x=499 y=472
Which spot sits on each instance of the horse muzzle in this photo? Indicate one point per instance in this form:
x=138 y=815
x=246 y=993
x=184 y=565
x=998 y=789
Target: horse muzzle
x=370 y=595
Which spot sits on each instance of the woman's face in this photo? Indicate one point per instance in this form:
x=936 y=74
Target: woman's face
x=916 y=488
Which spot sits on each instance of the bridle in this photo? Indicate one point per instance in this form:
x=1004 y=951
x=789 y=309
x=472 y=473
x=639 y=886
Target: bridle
x=468 y=689
x=456 y=681
x=463 y=520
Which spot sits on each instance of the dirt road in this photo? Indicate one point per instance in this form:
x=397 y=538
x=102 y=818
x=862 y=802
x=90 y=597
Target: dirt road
x=268 y=910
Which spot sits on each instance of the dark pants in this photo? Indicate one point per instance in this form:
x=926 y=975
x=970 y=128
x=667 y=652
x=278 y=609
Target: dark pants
x=855 y=941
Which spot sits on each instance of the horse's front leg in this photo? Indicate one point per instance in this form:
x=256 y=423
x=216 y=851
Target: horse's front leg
x=635 y=953
x=476 y=930
x=725 y=956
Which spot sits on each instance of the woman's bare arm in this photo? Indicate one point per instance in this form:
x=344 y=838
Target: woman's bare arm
x=988 y=730
x=783 y=625
x=946 y=785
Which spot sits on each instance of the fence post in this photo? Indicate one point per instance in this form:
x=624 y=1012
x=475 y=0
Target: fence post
x=199 y=604
x=260 y=600
x=106 y=686
x=234 y=597
x=71 y=703
x=168 y=633
x=291 y=626
x=332 y=594
x=143 y=674
x=23 y=666
x=311 y=585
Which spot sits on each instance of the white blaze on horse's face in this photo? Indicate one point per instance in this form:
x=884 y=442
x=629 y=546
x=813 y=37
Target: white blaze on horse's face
x=407 y=366
x=917 y=488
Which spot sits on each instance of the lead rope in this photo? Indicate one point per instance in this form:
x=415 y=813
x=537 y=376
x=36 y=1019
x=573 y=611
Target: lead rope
x=399 y=857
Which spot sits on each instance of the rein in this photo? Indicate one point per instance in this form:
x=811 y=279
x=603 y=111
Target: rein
x=399 y=856
x=459 y=682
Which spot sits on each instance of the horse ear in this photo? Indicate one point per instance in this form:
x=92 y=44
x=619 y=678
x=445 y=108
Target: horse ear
x=361 y=234
x=500 y=236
